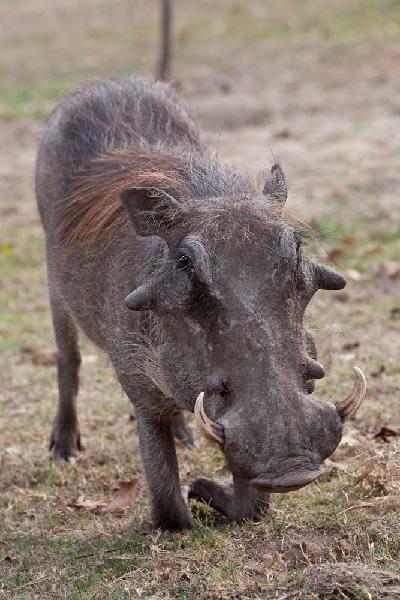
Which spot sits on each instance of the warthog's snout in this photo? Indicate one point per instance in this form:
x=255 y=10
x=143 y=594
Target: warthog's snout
x=293 y=472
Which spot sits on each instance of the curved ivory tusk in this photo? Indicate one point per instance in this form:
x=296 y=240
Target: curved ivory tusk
x=206 y=426
x=348 y=407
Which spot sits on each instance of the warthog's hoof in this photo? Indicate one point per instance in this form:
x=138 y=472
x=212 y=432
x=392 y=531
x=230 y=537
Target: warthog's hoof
x=173 y=520
x=65 y=445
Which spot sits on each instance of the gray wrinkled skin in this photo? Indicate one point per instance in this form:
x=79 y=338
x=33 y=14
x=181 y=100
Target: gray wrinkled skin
x=225 y=290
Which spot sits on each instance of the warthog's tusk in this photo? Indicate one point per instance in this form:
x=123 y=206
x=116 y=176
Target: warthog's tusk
x=206 y=426
x=348 y=407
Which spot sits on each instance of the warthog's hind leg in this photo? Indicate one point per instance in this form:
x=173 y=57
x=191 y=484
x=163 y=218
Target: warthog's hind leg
x=65 y=438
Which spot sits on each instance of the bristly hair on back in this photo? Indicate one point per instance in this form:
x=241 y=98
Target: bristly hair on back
x=93 y=214
x=125 y=133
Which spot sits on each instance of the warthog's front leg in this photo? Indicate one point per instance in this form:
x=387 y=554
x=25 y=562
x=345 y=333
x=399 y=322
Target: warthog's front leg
x=237 y=501
x=168 y=509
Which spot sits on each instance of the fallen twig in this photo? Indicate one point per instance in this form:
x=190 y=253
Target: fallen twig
x=366 y=504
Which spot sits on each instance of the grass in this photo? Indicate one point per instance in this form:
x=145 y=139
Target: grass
x=356 y=240
x=48 y=548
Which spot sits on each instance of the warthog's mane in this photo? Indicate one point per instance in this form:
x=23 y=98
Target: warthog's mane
x=126 y=132
x=93 y=216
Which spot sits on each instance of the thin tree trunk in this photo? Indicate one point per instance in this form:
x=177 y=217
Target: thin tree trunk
x=165 y=45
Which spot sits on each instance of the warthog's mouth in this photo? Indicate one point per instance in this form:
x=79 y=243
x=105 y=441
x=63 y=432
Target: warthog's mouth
x=297 y=478
x=288 y=482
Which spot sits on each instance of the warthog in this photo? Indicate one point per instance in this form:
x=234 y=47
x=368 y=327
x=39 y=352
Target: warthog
x=131 y=200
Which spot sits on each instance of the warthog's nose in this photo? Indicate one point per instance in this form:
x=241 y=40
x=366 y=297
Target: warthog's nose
x=216 y=384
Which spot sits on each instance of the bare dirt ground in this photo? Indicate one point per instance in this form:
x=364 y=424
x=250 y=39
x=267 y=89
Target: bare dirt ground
x=316 y=86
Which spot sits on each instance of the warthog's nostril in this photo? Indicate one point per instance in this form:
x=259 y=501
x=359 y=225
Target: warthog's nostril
x=215 y=385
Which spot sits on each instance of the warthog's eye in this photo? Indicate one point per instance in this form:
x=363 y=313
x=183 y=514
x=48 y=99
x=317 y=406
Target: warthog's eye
x=224 y=389
x=184 y=263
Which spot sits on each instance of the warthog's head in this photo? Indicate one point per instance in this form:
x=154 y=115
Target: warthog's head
x=231 y=293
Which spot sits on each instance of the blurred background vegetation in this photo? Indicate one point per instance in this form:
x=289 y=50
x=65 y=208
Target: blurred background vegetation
x=50 y=47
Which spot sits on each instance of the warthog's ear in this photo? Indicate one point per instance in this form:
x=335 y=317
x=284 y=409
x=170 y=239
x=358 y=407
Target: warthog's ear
x=151 y=210
x=275 y=187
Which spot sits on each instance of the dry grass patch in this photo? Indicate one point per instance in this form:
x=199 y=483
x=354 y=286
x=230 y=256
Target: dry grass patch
x=330 y=114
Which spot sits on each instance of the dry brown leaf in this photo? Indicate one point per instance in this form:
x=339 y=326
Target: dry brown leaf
x=126 y=496
x=350 y=240
x=395 y=312
x=351 y=345
x=372 y=250
x=338 y=193
x=89 y=505
x=389 y=268
x=378 y=372
x=386 y=432
x=335 y=254
x=282 y=133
